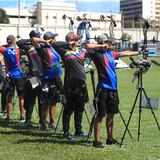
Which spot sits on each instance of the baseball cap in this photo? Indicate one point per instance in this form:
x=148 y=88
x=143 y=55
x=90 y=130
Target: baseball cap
x=11 y=38
x=34 y=33
x=103 y=38
x=49 y=35
x=72 y=36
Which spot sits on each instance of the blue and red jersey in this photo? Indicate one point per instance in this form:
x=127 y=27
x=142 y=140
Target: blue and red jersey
x=104 y=62
x=12 y=61
x=50 y=62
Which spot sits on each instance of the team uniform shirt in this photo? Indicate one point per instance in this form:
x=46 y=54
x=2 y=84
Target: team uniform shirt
x=104 y=62
x=35 y=64
x=12 y=61
x=50 y=62
x=73 y=63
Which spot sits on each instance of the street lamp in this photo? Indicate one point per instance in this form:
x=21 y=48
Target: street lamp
x=122 y=21
x=18 y=26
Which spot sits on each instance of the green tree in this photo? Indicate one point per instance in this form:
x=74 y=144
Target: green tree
x=3 y=16
x=126 y=37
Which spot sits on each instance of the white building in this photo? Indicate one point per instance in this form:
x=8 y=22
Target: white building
x=51 y=17
x=157 y=11
x=50 y=14
x=22 y=16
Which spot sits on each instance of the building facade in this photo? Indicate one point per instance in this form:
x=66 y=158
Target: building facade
x=157 y=12
x=148 y=9
x=51 y=14
x=56 y=17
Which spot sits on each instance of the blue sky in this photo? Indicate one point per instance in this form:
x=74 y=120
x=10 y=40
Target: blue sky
x=83 y=5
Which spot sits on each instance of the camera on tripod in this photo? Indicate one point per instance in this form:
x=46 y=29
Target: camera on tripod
x=143 y=65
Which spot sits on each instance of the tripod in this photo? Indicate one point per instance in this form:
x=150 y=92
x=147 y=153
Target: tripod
x=140 y=91
x=95 y=100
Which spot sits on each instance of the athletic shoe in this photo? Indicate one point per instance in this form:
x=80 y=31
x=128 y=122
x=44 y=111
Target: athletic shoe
x=22 y=119
x=8 y=120
x=43 y=127
x=69 y=136
x=51 y=126
x=112 y=141
x=28 y=124
x=80 y=133
x=98 y=144
x=3 y=113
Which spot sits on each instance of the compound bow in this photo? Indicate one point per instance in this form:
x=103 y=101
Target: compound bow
x=111 y=27
x=146 y=26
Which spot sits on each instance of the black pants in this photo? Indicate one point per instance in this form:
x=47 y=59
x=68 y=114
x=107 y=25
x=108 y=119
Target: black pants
x=30 y=100
x=76 y=94
x=3 y=97
x=4 y=100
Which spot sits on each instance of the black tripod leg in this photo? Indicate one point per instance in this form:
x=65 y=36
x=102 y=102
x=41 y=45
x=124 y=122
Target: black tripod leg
x=94 y=116
x=87 y=117
x=58 y=119
x=125 y=124
x=151 y=108
x=140 y=111
x=129 y=118
x=14 y=99
x=91 y=127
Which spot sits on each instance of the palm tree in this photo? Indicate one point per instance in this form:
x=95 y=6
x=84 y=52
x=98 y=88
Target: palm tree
x=3 y=16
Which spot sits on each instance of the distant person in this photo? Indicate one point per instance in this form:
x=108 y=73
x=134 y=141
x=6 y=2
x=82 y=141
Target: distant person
x=16 y=78
x=3 y=89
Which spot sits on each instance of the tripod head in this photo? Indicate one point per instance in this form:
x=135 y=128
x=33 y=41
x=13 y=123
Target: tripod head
x=141 y=65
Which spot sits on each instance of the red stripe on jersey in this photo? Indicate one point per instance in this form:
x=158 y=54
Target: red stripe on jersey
x=115 y=54
x=18 y=56
x=2 y=49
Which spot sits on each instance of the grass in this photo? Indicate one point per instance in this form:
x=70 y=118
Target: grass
x=21 y=144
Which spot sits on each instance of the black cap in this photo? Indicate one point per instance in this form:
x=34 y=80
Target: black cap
x=34 y=33
x=10 y=39
x=49 y=35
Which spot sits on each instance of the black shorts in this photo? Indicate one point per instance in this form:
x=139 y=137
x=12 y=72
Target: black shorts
x=17 y=83
x=50 y=92
x=108 y=102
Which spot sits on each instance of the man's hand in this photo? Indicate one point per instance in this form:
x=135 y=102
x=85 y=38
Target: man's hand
x=48 y=42
x=144 y=50
x=72 y=43
x=104 y=46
